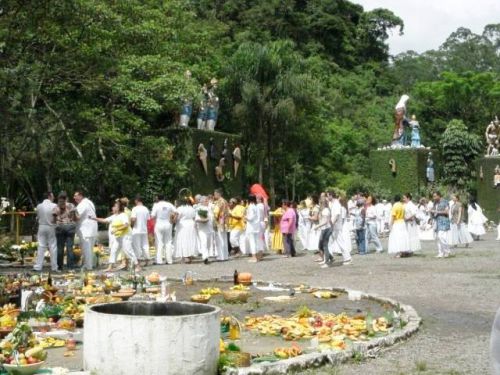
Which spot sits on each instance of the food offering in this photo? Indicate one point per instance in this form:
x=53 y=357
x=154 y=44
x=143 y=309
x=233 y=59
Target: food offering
x=21 y=349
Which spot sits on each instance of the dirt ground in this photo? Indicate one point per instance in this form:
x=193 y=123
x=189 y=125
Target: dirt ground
x=456 y=297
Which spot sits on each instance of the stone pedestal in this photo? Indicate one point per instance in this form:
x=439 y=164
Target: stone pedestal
x=488 y=196
x=410 y=166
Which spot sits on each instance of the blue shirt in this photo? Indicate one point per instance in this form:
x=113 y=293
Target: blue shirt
x=442 y=220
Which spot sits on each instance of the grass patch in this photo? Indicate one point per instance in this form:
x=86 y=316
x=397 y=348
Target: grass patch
x=421 y=366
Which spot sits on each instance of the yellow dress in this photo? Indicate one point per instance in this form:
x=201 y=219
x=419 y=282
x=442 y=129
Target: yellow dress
x=277 y=237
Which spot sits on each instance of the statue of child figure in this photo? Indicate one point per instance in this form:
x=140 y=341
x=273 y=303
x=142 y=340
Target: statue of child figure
x=415 y=132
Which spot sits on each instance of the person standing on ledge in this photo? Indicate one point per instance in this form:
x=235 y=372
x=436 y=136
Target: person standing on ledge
x=440 y=213
x=46 y=232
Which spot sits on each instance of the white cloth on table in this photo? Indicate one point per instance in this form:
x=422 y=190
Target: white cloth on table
x=398 y=238
x=186 y=241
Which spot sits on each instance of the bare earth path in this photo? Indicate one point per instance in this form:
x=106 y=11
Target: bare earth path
x=456 y=297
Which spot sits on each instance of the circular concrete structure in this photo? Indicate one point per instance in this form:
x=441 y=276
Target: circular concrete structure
x=151 y=338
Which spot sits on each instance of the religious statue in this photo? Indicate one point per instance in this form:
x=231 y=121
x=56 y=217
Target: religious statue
x=219 y=170
x=415 y=132
x=493 y=137
x=213 y=150
x=187 y=106
x=400 y=134
x=202 y=155
x=429 y=173
x=496 y=178
x=213 y=105
x=201 y=121
x=236 y=159
x=225 y=151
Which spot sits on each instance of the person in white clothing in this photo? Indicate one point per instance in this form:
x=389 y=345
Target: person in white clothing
x=122 y=240
x=186 y=240
x=411 y=211
x=476 y=220
x=459 y=232
x=304 y=224
x=86 y=227
x=205 y=228
x=45 y=213
x=379 y=214
x=263 y=220
x=139 y=219
x=371 y=224
x=163 y=213
x=387 y=215
x=341 y=244
x=253 y=229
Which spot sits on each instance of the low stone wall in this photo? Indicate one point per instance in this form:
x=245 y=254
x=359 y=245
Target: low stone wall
x=335 y=357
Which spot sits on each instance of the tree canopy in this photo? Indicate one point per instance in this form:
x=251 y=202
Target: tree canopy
x=88 y=87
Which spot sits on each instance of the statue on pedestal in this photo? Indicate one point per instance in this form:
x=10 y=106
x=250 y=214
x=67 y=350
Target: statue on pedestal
x=236 y=159
x=203 y=110
x=429 y=172
x=187 y=106
x=202 y=155
x=493 y=137
x=219 y=170
x=415 y=132
x=213 y=105
x=400 y=134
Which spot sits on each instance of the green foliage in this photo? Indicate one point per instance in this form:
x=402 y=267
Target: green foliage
x=460 y=148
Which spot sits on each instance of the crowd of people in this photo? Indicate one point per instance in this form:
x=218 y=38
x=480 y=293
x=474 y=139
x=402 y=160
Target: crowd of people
x=214 y=229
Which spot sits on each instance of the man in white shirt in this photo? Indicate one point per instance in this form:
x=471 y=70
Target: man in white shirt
x=46 y=232
x=253 y=228
x=162 y=212
x=86 y=227
x=139 y=219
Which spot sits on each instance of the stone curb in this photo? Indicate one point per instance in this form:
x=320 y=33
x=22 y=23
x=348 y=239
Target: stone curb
x=333 y=357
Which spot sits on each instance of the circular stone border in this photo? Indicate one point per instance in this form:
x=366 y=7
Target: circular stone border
x=334 y=357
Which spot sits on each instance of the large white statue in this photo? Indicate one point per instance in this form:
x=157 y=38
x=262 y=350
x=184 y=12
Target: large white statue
x=400 y=134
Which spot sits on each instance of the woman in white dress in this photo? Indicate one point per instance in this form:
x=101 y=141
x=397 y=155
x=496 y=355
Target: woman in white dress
x=426 y=230
x=304 y=224
x=314 y=232
x=342 y=243
x=476 y=219
x=186 y=239
x=398 y=236
x=459 y=232
x=411 y=212
x=205 y=227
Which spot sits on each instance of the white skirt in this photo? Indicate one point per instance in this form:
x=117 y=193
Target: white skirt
x=426 y=232
x=460 y=235
x=413 y=237
x=398 y=238
x=313 y=239
x=342 y=243
x=476 y=229
x=186 y=239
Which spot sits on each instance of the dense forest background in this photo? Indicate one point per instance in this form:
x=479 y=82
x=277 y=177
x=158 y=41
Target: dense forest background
x=87 y=88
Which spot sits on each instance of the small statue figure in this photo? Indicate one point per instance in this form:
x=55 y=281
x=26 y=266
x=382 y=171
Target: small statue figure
x=429 y=173
x=236 y=159
x=225 y=151
x=202 y=155
x=201 y=121
x=213 y=150
x=213 y=106
x=496 y=178
x=219 y=170
x=400 y=134
x=392 y=163
x=492 y=137
x=415 y=132
x=187 y=106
